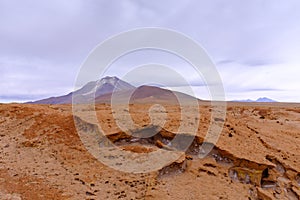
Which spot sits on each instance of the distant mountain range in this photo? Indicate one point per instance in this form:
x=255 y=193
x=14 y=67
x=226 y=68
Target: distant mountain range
x=102 y=91
x=262 y=100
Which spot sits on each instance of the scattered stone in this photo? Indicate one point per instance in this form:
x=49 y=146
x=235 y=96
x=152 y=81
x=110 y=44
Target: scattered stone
x=246 y=175
x=178 y=166
x=264 y=194
x=89 y=193
x=218 y=119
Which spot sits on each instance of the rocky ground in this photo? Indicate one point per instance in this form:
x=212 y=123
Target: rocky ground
x=256 y=157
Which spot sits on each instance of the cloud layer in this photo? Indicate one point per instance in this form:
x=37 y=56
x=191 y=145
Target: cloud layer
x=255 y=44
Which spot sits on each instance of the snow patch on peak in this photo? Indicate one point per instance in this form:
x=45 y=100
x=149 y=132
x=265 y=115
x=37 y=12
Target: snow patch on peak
x=107 y=80
x=103 y=86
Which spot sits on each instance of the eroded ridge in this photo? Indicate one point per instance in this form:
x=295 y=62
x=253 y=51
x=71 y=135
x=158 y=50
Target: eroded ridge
x=269 y=178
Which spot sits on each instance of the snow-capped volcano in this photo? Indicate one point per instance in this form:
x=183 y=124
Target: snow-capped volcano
x=90 y=91
x=101 y=91
x=104 y=86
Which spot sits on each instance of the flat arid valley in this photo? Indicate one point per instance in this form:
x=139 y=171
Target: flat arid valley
x=257 y=155
x=149 y=100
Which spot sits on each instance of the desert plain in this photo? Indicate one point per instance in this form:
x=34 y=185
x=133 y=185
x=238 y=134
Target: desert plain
x=257 y=155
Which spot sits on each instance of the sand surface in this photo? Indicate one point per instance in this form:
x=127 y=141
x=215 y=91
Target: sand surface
x=257 y=155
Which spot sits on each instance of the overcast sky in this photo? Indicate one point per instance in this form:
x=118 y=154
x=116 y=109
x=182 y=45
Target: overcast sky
x=254 y=43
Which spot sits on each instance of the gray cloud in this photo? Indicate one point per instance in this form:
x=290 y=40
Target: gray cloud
x=43 y=43
x=260 y=62
x=262 y=89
